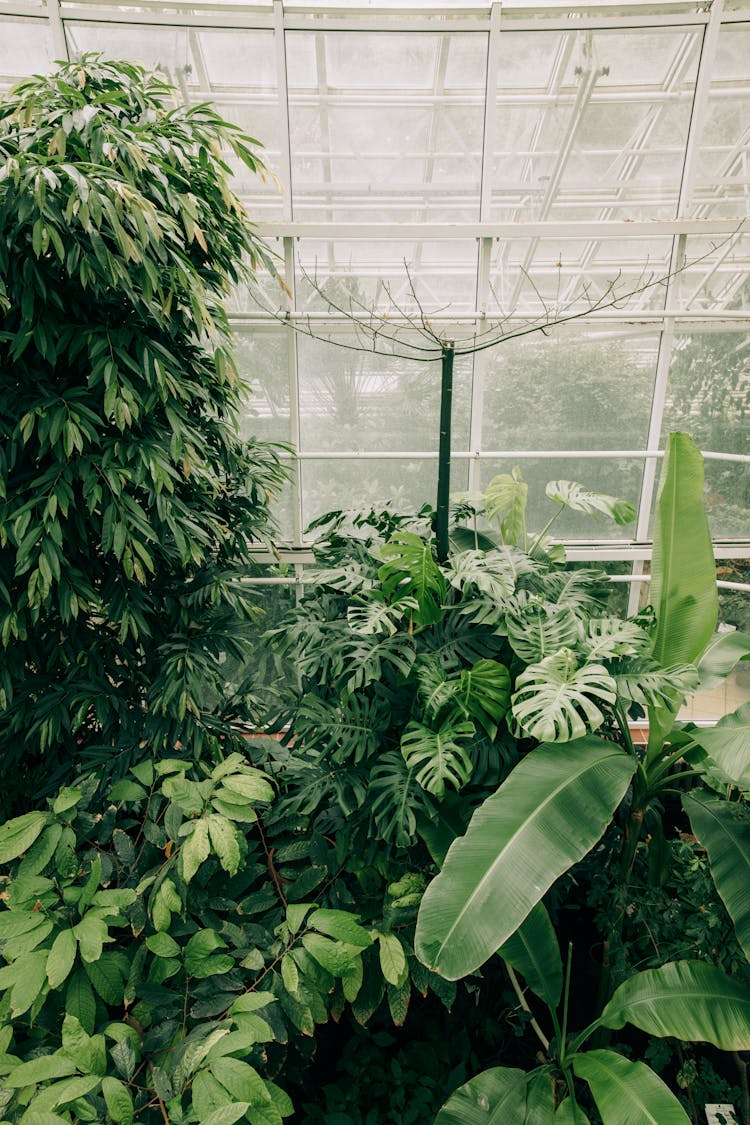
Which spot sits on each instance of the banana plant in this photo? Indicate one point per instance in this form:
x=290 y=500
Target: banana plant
x=690 y=999
x=560 y=799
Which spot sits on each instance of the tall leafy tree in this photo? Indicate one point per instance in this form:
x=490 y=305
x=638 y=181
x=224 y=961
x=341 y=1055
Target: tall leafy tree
x=128 y=502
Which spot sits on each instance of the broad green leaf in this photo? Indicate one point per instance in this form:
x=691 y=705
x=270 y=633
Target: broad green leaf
x=241 y=1080
x=579 y=499
x=683 y=572
x=533 y=951
x=79 y=1000
x=64 y=1092
x=728 y=745
x=195 y=850
x=494 y=1097
x=645 y=682
x=569 y=1113
x=611 y=637
x=690 y=1000
x=505 y=505
x=540 y=1100
x=61 y=958
x=41 y=1069
x=628 y=1093
x=437 y=756
x=224 y=842
x=410 y=570
x=340 y=925
x=720 y=656
x=119 y=1101
x=723 y=829
x=554 y=700
x=484 y=693
x=201 y=957
x=17 y=835
x=334 y=957
x=163 y=945
x=30 y=979
x=537 y=629
x=543 y=819
x=392 y=959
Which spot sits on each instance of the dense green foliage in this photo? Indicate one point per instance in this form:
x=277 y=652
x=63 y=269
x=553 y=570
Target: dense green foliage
x=127 y=501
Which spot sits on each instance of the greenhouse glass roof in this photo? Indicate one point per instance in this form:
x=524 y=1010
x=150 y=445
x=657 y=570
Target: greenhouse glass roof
x=567 y=185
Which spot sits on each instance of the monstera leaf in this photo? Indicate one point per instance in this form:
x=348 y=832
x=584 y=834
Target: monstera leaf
x=646 y=683
x=346 y=730
x=578 y=589
x=374 y=615
x=494 y=573
x=436 y=688
x=554 y=699
x=437 y=756
x=579 y=499
x=410 y=570
x=505 y=505
x=484 y=693
x=611 y=637
x=396 y=798
x=539 y=629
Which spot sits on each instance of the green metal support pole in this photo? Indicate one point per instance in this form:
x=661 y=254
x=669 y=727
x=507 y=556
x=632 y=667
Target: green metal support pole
x=444 y=452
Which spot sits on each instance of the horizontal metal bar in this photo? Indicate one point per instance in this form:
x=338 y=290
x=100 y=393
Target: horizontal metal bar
x=497 y=455
x=421 y=232
x=463 y=319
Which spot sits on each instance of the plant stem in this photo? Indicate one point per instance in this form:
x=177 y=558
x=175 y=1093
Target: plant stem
x=522 y=1001
x=543 y=532
x=742 y=1068
x=566 y=999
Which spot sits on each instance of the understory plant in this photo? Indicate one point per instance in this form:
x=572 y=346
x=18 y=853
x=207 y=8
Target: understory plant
x=128 y=501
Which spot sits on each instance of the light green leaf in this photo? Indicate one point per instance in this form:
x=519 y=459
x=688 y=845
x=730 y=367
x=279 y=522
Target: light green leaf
x=720 y=657
x=163 y=945
x=569 y=1113
x=61 y=958
x=224 y=842
x=533 y=951
x=554 y=699
x=537 y=629
x=540 y=1099
x=332 y=955
x=201 y=958
x=723 y=829
x=690 y=1000
x=340 y=925
x=728 y=745
x=119 y=1101
x=241 y=1080
x=505 y=505
x=31 y=978
x=44 y=1068
x=392 y=959
x=17 y=835
x=543 y=819
x=495 y=1097
x=579 y=499
x=683 y=572
x=628 y=1093
x=195 y=850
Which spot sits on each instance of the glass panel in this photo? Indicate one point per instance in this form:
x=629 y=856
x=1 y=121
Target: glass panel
x=619 y=478
x=389 y=275
x=582 y=389
x=367 y=483
x=25 y=48
x=592 y=124
x=547 y=280
x=235 y=69
x=722 y=178
x=358 y=400
x=708 y=395
x=263 y=363
x=717 y=274
x=386 y=126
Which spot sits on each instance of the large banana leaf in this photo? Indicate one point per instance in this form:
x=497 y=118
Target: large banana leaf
x=628 y=1093
x=494 y=1097
x=540 y=629
x=437 y=756
x=683 y=571
x=690 y=1000
x=720 y=657
x=723 y=828
x=728 y=745
x=533 y=951
x=579 y=499
x=554 y=699
x=543 y=819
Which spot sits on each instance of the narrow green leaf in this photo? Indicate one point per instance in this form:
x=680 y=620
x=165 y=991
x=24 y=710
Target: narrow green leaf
x=61 y=958
x=534 y=952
